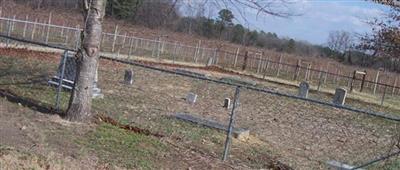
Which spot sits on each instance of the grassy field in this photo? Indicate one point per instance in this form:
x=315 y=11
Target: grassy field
x=299 y=134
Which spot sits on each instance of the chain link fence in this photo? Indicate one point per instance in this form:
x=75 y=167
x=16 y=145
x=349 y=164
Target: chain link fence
x=303 y=133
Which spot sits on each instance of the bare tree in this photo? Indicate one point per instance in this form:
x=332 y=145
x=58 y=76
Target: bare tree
x=88 y=54
x=87 y=60
x=340 y=41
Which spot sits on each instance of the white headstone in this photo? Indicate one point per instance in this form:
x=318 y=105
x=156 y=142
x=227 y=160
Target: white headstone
x=227 y=103
x=128 y=78
x=304 y=87
x=340 y=96
x=191 y=98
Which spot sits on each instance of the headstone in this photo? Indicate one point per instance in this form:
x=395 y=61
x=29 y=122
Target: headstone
x=227 y=103
x=209 y=61
x=69 y=72
x=304 y=87
x=128 y=78
x=69 y=75
x=340 y=96
x=191 y=98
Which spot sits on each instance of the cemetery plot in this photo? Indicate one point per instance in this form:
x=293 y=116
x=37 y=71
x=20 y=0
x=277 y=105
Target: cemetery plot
x=299 y=134
x=304 y=135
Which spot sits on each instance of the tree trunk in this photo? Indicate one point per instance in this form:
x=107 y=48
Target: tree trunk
x=87 y=59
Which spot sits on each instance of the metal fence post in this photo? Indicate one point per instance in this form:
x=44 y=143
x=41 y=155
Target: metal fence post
x=48 y=29
x=376 y=81
x=279 y=66
x=59 y=88
x=174 y=53
x=33 y=29
x=236 y=57
x=383 y=95
x=25 y=26
x=320 y=82
x=115 y=38
x=8 y=32
x=78 y=37
x=228 y=140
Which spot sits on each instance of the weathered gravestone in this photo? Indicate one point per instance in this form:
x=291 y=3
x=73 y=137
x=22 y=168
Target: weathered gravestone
x=128 y=77
x=304 y=87
x=70 y=66
x=227 y=103
x=340 y=96
x=191 y=98
x=69 y=72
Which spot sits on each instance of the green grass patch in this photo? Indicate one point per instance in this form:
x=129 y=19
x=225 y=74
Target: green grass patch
x=123 y=148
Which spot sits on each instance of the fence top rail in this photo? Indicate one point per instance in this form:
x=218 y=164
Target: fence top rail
x=39 y=23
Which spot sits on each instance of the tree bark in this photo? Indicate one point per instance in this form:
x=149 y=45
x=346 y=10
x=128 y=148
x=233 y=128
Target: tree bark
x=87 y=58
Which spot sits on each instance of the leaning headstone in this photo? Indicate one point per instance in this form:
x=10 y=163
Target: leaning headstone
x=304 y=87
x=227 y=103
x=128 y=77
x=340 y=96
x=191 y=98
x=209 y=61
x=69 y=72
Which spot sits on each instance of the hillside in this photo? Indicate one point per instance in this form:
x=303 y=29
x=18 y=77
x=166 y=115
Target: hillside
x=73 y=18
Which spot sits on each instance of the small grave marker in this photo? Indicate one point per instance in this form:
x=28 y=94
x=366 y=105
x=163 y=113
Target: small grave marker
x=227 y=103
x=340 y=96
x=191 y=98
x=128 y=77
x=304 y=87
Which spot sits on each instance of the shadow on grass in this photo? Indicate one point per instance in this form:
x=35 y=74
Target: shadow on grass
x=31 y=103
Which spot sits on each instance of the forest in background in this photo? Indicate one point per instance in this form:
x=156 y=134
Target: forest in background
x=360 y=50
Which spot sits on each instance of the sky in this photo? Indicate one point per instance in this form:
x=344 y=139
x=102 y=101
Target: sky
x=316 y=18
